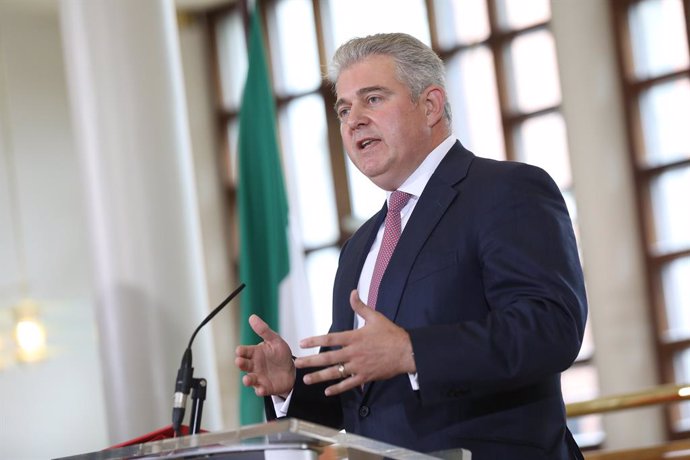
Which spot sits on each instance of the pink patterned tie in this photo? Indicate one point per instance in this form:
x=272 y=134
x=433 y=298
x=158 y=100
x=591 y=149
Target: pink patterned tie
x=391 y=235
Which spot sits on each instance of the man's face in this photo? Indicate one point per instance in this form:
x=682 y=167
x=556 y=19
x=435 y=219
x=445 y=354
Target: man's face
x=385 y=133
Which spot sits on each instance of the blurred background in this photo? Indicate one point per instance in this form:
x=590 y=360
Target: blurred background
x=118 y=180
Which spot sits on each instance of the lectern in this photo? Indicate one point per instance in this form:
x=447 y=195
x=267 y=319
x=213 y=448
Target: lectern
x=285 y=439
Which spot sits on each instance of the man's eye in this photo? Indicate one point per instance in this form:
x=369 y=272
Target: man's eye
x=343 y=113
x=374 y=99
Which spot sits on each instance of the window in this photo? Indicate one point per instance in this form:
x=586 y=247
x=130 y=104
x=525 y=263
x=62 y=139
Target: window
x=503 y=84
x=652 y=37
x=505 y=92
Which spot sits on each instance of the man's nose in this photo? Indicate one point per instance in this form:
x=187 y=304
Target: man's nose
x=356 y=117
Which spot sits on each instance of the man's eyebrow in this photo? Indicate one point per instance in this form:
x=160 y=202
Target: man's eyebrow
x=363 y=91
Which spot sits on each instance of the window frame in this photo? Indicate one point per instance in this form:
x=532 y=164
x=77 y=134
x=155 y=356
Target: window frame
x=643 y=175
x=497 y=42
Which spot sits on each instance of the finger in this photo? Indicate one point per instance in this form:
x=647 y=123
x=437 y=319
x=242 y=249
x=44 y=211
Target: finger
x=323 y=375
x=244 y=351
x=353 y=381
x=330 y=373
x=252 y=381
x=360 y=307
x=262 y=329
x=329 y=340
x=327 y=358
x=243 y=364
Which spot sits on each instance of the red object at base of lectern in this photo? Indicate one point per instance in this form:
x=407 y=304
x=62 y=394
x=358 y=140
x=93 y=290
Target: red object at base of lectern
x=156 y=435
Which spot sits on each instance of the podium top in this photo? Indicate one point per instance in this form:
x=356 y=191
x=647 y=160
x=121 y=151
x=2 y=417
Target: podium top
x=273 y=436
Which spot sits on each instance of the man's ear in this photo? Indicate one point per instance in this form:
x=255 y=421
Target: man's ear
x=434 y=101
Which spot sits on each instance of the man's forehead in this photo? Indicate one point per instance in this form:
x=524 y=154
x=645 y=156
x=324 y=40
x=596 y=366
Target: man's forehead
x=364 y=77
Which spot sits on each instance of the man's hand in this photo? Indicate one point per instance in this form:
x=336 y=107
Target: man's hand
x=269 y=366
x=378 y=350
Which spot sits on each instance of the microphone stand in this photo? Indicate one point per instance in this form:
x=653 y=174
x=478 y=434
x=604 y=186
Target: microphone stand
x=198 y=398
x=185 y=381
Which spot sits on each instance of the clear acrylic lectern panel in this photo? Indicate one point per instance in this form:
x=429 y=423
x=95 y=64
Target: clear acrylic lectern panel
x=287 y=439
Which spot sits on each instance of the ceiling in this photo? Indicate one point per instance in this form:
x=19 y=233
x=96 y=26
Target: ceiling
x=51 y=5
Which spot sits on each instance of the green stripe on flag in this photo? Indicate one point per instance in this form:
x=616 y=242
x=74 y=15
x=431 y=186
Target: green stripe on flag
x=262 y=207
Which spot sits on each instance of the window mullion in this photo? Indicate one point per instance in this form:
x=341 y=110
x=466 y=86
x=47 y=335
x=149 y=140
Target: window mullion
x=496 y=43
x=686 y=10
x=659 y=259
x=341 y=185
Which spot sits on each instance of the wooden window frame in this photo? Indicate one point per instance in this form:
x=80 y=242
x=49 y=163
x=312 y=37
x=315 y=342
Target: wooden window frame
x=497 y=42
x=632 y=87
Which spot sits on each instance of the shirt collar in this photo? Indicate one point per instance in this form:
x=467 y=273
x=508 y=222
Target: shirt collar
x=415 y=184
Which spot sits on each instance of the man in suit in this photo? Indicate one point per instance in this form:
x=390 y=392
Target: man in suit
x=463 y=334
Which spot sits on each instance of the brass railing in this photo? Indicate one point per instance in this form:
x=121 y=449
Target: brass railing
x=663 y=394
x=675 y=450
x=657 y=395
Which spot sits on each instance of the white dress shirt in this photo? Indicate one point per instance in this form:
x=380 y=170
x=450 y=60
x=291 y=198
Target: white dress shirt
x=414 y=185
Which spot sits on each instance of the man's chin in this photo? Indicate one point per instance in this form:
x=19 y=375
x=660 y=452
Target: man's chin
x=384 y=181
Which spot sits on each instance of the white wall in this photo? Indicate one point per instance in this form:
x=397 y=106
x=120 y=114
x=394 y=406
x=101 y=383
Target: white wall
x=215 y=225
x=59 y=401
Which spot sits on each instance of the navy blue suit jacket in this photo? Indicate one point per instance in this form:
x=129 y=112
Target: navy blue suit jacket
x=487 y=280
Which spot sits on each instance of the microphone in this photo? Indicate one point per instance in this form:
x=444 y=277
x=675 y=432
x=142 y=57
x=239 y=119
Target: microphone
x=183 y=382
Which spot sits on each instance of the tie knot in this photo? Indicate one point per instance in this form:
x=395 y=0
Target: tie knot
x=398 y=200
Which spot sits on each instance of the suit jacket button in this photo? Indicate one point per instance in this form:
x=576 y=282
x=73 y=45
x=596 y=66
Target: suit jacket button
x=364 y=411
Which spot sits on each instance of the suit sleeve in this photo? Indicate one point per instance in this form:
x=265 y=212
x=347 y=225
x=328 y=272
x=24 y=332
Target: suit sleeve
x=310 y=403
x=533 y=288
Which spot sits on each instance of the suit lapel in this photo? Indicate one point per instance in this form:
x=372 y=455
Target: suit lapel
x=359 y=246
x=433 y=203
x=437 y=196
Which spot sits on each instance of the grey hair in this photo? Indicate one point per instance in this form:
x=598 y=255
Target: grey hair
x=417 y=65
